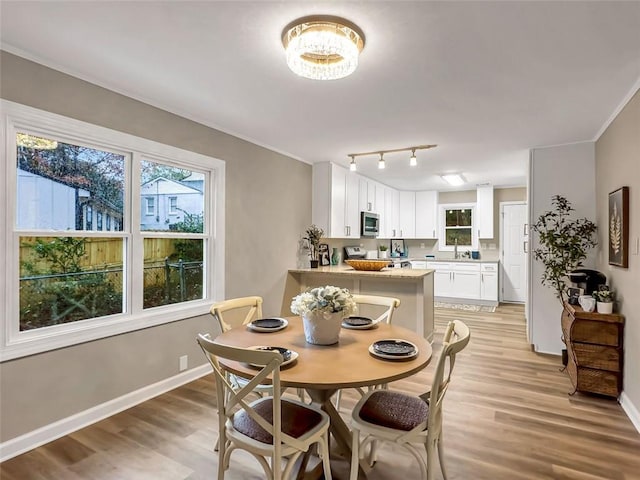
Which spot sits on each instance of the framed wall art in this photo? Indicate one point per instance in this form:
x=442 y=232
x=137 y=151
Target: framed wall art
x=619 y=227
x=323 y=254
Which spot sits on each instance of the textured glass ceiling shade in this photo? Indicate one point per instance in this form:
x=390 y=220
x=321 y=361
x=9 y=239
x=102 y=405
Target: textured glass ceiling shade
x=322 y=47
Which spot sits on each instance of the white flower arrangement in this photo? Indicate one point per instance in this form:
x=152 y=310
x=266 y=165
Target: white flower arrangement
x=328 y=300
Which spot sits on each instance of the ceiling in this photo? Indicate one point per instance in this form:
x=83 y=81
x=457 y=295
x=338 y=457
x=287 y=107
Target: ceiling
x=485 y=81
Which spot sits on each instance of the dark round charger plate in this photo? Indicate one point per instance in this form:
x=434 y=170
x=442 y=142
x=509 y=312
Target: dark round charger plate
x=285 y=352
x=399 y=348
x=267 y=323
x=356 y=321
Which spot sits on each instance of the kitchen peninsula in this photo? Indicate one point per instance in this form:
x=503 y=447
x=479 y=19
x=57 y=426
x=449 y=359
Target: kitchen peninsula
x=414 y=288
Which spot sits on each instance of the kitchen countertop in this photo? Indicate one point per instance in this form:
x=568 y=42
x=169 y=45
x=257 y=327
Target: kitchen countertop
x=346 y=270
x=448 y=260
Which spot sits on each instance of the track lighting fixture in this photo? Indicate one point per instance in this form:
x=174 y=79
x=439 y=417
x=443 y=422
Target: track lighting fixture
x=413 y=161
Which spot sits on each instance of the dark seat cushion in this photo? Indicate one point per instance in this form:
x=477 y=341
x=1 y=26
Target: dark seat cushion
x=394 y=410
x=296 y=420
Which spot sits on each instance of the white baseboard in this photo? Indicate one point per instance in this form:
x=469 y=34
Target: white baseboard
x=53 y=431
x=630 y=409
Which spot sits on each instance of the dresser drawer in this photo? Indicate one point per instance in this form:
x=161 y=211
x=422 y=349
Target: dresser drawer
x=601 y=333
x=597 y=356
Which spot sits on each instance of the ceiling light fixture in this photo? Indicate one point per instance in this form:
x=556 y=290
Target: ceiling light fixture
x=37 y=143
x=413 y=161
x=453 y=179
x=322 y=47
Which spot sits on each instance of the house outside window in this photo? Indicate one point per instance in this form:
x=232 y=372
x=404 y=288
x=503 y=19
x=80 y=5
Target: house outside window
x=458 y=227
x=78 y=251
x=150 y=203
x=173 y=205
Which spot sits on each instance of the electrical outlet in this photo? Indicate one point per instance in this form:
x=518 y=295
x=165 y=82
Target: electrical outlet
x=422 y=245
x=184 y=362
x=636 y=246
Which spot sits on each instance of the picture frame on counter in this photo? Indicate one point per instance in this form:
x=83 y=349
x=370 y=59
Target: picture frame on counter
x=323 y=254
x=397 y=248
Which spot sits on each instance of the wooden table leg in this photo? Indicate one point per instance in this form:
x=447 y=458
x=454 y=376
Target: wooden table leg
x=337 y=427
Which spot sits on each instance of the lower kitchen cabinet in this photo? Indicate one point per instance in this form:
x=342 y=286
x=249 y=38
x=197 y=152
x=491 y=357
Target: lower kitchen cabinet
x=465 y=280
x=489 y=281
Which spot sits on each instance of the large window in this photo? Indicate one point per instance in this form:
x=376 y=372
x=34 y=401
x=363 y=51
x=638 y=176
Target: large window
x=457 y=227
x=109 y=232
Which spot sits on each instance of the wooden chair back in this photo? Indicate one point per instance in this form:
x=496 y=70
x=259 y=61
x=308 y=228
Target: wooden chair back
x=390 y=304
x=234 y=308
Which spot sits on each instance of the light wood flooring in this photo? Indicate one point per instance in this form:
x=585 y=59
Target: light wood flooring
x=507 y=416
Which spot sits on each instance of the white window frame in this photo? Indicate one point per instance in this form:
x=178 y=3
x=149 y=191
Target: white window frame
x=474 y=230
x=149 y=206
x=14 y=343
x=173 y=209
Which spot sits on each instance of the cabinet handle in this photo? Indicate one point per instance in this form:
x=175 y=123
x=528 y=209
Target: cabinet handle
x=434 y=234
x=478 y=233
x=482 y=277
x=524 y=246
x=401 y=233
x=525 y=229
x=369 y=206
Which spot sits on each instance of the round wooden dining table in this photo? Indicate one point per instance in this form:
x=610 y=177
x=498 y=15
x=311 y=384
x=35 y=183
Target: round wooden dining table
x=321 y=370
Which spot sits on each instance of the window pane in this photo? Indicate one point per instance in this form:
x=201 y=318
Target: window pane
x=173 y=199
x=173 y=270
x=66 y=279
x=458 y=217
x=463 y=235
x=60 y=185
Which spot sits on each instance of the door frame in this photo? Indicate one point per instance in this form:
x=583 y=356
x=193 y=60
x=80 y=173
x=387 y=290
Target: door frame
x=526 y=260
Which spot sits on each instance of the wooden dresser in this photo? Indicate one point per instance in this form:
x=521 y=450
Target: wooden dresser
x=594 y=350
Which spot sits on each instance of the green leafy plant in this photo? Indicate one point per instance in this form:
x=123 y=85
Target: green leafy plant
x=563 y=243
x=383 y=248
x=604 y=296
x=312 y=239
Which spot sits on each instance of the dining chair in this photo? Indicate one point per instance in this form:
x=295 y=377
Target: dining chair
x=378 y=305
x=270 y=427
x=236 y=312
x=408 y=420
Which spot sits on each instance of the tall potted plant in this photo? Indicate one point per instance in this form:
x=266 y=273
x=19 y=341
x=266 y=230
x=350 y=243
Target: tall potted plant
x=563 y=244
x=312 y=239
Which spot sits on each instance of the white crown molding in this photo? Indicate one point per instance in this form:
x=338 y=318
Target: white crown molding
x=53 y=431
x=616 y=112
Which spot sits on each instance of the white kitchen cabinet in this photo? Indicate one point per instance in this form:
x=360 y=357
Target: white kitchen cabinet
x=484 y=211
x=390 y=224
x=407 y=214
x=426 y=214
x=489 y=281
x=456 y=280
x=335 y=206
x=370 y=196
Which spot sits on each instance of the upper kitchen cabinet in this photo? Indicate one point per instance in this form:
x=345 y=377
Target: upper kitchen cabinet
x=484 y=212
x=407 y=214
x=426 y=215
x=390 y=224
x=335 y=201
x=371 y=196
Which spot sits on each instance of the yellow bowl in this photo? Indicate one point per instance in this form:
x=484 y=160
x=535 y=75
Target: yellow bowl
x=369 y=265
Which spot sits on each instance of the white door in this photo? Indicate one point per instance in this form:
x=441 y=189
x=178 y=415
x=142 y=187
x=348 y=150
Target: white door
x=514 y=243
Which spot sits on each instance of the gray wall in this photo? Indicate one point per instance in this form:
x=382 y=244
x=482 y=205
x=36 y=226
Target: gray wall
x=617 y=165
x=268 y=206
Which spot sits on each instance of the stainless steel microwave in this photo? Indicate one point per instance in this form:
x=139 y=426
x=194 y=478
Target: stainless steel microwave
x=369 y=224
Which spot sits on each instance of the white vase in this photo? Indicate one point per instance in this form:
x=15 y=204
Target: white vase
x=604 y=307
x=384 y=254
x=322 y=328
